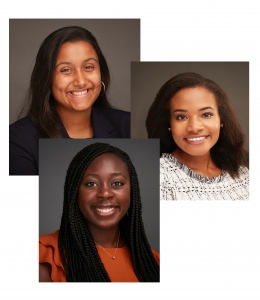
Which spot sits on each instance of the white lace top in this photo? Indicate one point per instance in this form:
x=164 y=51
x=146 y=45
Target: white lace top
x=178 y=182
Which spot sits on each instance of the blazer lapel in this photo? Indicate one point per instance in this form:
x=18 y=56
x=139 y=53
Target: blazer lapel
x=101 y=125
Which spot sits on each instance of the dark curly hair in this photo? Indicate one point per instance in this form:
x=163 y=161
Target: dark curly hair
x=228 y=153
x=40 y=104
x=79 y=255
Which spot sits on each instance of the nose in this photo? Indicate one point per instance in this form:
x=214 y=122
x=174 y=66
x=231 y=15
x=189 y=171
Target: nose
x=105 y=192
x=195 y=125
x=79 y=78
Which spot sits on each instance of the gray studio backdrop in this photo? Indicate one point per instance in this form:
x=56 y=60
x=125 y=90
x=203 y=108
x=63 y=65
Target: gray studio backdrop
x=119 y=40
x=148 y=77
x=55 y=156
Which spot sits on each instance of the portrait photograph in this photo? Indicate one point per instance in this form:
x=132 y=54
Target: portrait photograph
x=201 y=116
x=115 y=194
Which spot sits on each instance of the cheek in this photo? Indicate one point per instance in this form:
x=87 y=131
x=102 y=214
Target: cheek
x=216 y=127
x=125 y=198
x=217 y=134
x=96 y=79
x=128 y=202
x=83 y=200
x=176 y=130
x=56 y=86
x=60 y=82
x=129 y=199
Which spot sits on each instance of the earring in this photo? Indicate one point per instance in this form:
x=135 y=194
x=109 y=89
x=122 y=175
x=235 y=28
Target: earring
x=169 y=129
x=103 y=86
x=221 y=125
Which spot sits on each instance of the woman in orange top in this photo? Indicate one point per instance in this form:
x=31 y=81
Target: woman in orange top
x=101 y=237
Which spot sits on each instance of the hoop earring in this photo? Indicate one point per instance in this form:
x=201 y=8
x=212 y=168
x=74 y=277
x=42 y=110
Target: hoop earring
x=103 y=86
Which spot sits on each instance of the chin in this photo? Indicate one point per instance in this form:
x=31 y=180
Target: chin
x=198 y=152
x=82 y=108
x=106 y=224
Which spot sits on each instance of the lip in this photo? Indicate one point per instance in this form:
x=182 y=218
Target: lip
x=196 y=140
x=79 y=93
x=104 y=211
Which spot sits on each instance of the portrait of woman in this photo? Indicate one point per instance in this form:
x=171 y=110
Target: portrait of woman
x=101 y=236
x=67 y=98
x=201 y=141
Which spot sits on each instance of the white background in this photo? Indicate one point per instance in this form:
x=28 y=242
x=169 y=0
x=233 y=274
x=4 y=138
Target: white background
x=209 y=250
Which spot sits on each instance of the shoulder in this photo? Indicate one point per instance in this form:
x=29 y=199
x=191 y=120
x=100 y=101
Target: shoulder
x=112 y=113
x=23 y=128
x=50 y=239
x=243 y=176
x=114 y=122
x=22 y=125
x=49 y=254
x=156 y=256
x=243 y=171
x=242 y=181
x=167 y=158
x=172 y=177
x=48 y=244
x=168 y=164
x=23 y=149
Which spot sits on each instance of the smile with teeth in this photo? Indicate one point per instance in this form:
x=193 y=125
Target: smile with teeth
x=105 y=210
x=196 y=139
x=79 y=93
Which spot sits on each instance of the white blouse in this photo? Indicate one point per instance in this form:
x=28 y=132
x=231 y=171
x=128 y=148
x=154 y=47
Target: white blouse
x=178 y=182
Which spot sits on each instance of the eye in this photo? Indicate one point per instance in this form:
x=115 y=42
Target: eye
x=180 y=117
x=207 y=115
x=65 y=70
x=89 y=68
x=117 y=183
x=90 y=184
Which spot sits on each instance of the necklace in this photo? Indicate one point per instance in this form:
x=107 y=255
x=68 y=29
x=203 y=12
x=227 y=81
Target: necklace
x=114 y=256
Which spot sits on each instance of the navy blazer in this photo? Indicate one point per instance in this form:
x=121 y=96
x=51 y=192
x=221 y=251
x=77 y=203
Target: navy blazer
x=24 y=139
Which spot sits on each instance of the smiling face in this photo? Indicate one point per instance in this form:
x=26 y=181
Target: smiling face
x=76 y=80
x=104 y=192
x=195 y=121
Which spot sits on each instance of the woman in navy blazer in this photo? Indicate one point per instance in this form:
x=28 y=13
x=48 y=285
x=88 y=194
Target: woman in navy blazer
x=67 y=98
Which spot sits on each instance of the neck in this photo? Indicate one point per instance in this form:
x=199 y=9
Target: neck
x=202 y=164
x=107 y=238
x=77 y=124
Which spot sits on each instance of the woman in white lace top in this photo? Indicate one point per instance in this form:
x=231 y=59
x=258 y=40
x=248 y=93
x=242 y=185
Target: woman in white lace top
x=202 y=144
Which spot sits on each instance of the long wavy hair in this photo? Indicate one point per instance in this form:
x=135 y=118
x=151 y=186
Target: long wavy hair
x=228 y=153
x=40 y=104
x=78 y=251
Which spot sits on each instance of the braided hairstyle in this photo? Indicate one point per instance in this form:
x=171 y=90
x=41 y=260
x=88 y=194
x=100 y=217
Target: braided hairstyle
x=77 y=248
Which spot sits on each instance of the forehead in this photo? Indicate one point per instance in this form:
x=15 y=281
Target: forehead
x=195 y=97
x=73 y=50
x=107 y=162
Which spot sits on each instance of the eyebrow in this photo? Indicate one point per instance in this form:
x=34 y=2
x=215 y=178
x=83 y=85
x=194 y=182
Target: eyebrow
x=69 y=63
x=183 y=110
x=112 y=175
